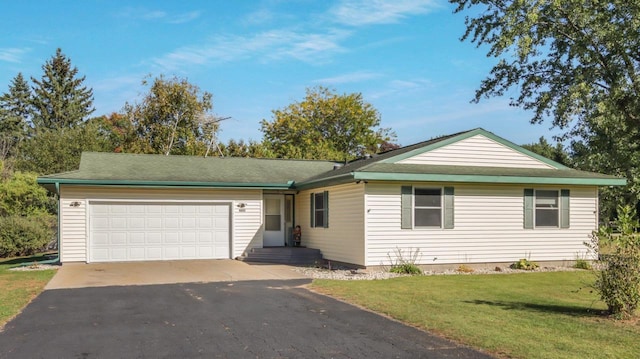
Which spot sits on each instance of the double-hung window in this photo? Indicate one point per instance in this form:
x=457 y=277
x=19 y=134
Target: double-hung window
x=546 y=208
x=320 y=209
x=427 y=207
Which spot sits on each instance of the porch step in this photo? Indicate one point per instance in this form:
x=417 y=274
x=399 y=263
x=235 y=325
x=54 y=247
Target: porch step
x=284 y=255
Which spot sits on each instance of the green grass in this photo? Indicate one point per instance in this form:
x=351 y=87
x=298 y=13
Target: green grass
x=528 y=315
x=19 y=288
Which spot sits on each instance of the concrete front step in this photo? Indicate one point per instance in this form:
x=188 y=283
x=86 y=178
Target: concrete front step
x=284 y=255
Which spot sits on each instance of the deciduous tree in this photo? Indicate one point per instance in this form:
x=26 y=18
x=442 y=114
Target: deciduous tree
x=171 y=118
x=544 y=148
x=325 y=125
x=575 y=63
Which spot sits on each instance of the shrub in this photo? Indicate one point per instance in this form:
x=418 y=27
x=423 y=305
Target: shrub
x=405 y=263
x=463 y=268
x=525 y=264
x=618 y=280
x=21 y=236
x=406 y=268
x=582 y=264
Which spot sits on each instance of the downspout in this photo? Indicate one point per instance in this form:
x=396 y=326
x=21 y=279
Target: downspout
x=57 y=258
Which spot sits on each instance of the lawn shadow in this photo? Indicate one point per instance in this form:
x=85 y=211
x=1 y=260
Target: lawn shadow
x=30 y=259
x=574 y=311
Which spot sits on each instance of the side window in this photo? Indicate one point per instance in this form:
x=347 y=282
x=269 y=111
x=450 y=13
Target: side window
x=427 y=207
x=320 y=209
x=547 y=208
x=544 y=208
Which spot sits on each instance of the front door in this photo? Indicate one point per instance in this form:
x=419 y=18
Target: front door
x=274 y=228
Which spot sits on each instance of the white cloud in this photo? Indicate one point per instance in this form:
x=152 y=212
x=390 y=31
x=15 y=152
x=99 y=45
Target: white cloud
x=184 y=18
x=352 y=77
x=271 y=45
x=402 y=87
x=258 y=17
x=368 y=12
x=138 y=13
x=13 y=54
x=118 y=83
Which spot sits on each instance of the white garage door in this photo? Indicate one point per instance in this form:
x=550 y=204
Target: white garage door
x=158 y=231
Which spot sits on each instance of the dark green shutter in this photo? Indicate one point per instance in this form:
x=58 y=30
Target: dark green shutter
x=564 y=208
x=448 y=208
x=407 y=207
x=313 y=211
x=325 y=211
x=528 y=208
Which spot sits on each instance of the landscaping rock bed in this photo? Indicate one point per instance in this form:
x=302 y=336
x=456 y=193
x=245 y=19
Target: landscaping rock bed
x=342 y=273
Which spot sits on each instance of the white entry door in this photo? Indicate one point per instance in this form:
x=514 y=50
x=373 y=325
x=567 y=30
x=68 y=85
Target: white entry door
x=139 y=231
x=273 y=220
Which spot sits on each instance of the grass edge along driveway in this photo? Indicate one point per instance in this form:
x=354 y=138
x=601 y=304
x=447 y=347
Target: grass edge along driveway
x=19 y=288
x=525 y=315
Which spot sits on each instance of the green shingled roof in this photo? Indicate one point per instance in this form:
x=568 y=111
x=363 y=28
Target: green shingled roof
x=135 y=169
x=158 y=170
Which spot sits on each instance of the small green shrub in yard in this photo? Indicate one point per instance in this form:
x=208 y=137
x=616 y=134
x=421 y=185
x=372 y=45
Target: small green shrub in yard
x=405 y=263
x=406 y=268
x=21 y=236
x=524 y=264
x=582 y=264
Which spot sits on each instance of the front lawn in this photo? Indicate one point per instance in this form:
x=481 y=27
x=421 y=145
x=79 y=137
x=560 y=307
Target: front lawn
x=18 y=288
x=526 y=315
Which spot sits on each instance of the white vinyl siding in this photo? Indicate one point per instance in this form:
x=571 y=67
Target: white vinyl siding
x=476 y=151
x=246 y=231
x=488 y=227
x=343 y=240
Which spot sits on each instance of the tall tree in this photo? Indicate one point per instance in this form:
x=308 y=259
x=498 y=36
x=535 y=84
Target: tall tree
x=241 y=148
x=325 y=125
x=14 y=115
x=573 y=62
x=172 y=118
x=54 y=151
x=544 y=148
x=60 y=98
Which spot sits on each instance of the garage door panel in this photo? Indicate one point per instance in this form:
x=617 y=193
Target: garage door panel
x=171 y=237
x=136 y=238
x=188 y=237
x=188 y=252
x=158 y=231
x=171 y=223
x=154 y=237
x=117 y=238
x=153 y=253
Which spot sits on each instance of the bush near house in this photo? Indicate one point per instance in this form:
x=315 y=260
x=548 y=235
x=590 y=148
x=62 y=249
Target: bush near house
x=618 y=281
x=26 y=215
x=24 y=236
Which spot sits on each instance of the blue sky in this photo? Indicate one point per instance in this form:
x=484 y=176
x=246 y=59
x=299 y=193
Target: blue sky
x=405 y=57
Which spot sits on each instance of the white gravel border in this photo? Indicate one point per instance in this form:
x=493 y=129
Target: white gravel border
x=35 y=267
x=374 y=274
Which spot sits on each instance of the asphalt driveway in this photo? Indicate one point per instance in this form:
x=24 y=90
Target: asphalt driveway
x=243 y=319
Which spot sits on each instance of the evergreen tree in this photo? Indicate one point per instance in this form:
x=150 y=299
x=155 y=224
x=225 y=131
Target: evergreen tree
x=14 y=115
x=60 y=98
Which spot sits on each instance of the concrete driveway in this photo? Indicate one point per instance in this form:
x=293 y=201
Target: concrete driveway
x=82 y=275
x=243 y=319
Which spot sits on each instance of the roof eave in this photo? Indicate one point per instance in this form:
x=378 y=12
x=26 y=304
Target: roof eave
x=327 y=181
x=134 y=183
x=430 y=177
